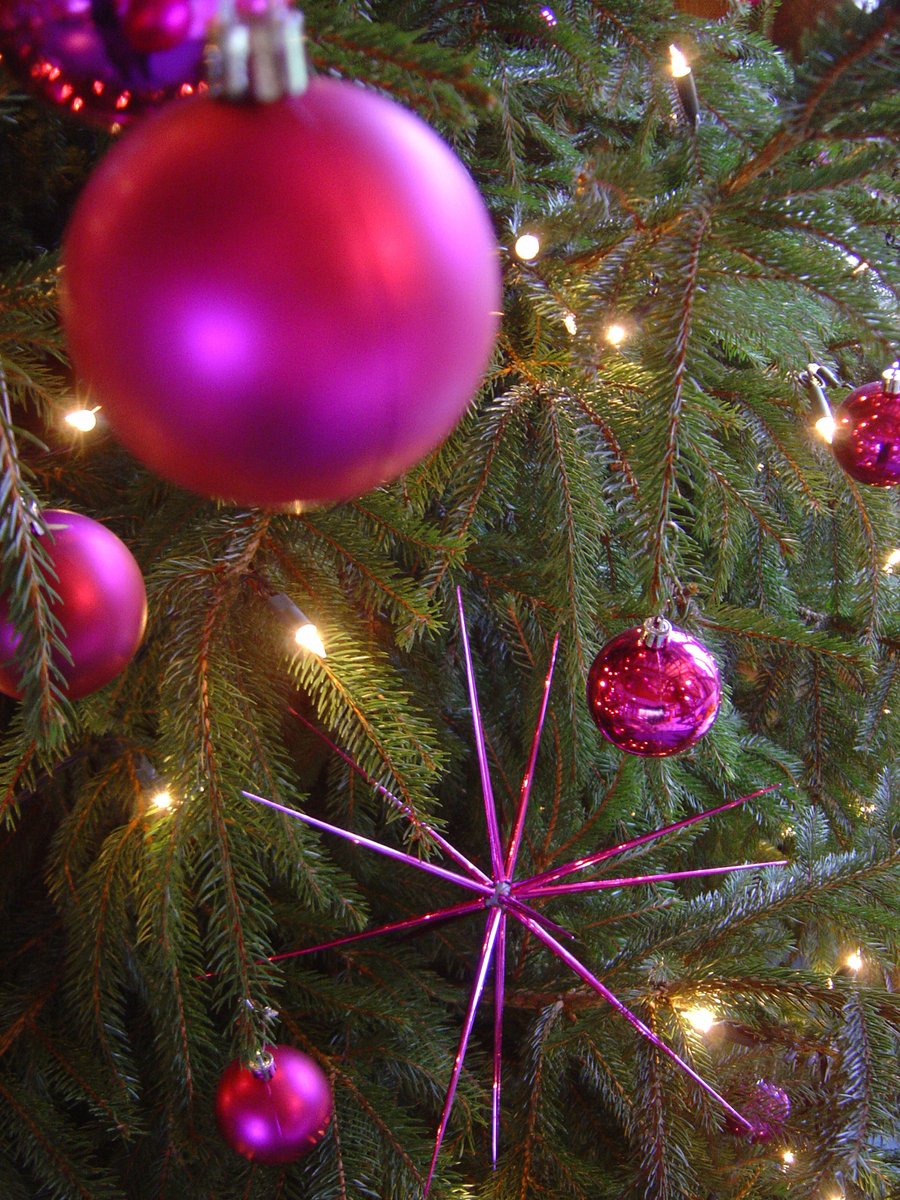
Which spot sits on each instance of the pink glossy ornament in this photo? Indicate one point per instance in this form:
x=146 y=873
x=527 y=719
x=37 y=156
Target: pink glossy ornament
x=866 y=439
x=102 y=606
x=654 y=690
x=278 y=1112
x=153 y=26
x=282 y=302
x=768 y=1107
x=105 y=63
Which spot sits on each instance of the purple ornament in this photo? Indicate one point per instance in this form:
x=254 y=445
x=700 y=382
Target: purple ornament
x=867 y=435
x=275 y=1113
x=282 y=302
x=102 y=606
x=766 y=1106
x=106 y=62
x=654 y=690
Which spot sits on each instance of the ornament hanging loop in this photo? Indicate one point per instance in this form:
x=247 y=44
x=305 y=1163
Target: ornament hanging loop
x=257 y=56
x=815 y=379
x=656 y=632
x=262 y=1064
x=891 y=378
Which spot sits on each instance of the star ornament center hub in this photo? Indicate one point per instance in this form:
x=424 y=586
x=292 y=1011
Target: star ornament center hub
x=503 y=898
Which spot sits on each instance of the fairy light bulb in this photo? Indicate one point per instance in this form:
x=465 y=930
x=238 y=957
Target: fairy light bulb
x=308 y=638
x=616 y=334
x=162 y=800
x=854 y=961
x=892 y=559
x=825 y=427
x=678 y=64
x=571 y=324
x=82 y=419
x=788 y=1157
x=702 y=1019
x=527 y=246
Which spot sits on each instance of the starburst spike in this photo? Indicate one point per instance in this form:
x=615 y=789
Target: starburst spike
x=512 y=850
x=580 y=864
x=499 y=998
x=491 y=931
x=388 y=851
x=593 y=982
x=490 y=808
x=427 y=829
x=432 y=918
x=559 y=930
x=543 y=890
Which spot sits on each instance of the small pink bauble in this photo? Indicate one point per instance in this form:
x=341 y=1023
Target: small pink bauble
x=102 y=606
x=654 y=690
x=766 y=1106
x=276 y=1115
x=105 y=63
x=866 y=439
x=281 y=302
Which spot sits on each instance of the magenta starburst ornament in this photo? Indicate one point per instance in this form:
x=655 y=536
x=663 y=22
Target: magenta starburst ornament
x=502 y=897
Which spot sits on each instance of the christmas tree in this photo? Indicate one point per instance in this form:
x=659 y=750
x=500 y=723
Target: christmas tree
x=698 y=251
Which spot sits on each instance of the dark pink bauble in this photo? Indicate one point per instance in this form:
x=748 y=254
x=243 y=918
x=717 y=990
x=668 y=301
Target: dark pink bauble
x=281 y=302
x=766 y=1106
x=152 y=26
x=106 y=62
x=278 y=1119
x=102 y=606
x=653 y=701
x=867 y=434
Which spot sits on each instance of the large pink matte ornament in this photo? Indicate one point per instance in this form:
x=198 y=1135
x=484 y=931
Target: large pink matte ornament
x=102 y=606
x=282 y=302
x=106 y=62
x=275 y=1113
x=654 y=690
x=867 y=432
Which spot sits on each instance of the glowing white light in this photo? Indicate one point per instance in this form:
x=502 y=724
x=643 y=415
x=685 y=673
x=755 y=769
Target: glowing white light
x=571 y=325
x=82 y=419
x=307 y=636
x=854 y=961
x=788 y=1157
x=825 y=427
x=549 y=16
x=702 y=1019
x=678 y=64
x=892 y=559
x=527 y=247
x=162 y=800
x=616 y=334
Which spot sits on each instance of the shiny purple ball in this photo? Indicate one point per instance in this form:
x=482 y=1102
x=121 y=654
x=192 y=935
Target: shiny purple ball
x=102 y=606
x=653 y=701
x=282 y=302
x=277 y=1118
x=106 y=62
x=766 y=1106
x=867 y=435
